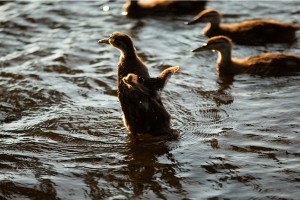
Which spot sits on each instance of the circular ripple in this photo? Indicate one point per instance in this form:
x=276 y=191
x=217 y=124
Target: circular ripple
x=200 y=119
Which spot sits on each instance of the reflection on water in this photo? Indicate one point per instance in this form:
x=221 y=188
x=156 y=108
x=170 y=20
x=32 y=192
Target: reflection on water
x=61 y=130
x=146 y=172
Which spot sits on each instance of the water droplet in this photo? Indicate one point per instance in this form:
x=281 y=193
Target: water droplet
x=105 y=8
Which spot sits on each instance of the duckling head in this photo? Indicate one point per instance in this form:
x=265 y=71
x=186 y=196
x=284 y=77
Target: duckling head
x=121 y=41
x=218 y=43
x=209 y=16
x=130 y=80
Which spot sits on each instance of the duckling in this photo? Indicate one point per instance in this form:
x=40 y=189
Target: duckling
x=138 y=93
x=265 y=64
x=248 y=32
x=162 y=7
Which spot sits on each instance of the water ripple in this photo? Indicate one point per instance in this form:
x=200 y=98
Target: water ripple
x=61 y=129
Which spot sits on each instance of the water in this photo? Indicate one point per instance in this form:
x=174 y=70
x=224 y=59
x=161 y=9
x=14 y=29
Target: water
x=61 y=131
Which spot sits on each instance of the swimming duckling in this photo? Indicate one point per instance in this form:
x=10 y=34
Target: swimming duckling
x=265 y=64
x=162 y=7
x=139 y=97
x=248 y=32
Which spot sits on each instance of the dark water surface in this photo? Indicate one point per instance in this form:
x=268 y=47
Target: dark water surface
x=61 y=132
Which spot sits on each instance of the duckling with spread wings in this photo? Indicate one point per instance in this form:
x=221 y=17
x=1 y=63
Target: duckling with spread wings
x=138 y=93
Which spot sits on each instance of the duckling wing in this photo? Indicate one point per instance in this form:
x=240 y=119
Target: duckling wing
x=164 y=76
x=273 y=64
x=147 y=86
x=157 y=84
x=150 y=86
x=260 y=31
x=142 y=113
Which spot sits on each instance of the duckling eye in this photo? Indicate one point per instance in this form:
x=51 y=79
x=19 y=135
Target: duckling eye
x=117 y=41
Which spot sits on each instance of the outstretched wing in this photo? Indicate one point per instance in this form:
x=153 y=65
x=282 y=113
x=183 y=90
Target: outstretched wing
x=150 y=86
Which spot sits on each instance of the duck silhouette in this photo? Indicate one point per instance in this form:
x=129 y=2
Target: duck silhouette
x=248 y=32
x=138 y=93
x=162 y=7
x=265 y=64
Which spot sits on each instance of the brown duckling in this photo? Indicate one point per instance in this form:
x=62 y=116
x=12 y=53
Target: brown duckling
x=162 y=7
x=139 y=95
x=265 y=64
x=248 y=32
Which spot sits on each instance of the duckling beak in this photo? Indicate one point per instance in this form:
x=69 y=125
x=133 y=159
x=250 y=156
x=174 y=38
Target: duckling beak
x=191 y=22
x=105 y=40
x=202 y=48
x=194 y=21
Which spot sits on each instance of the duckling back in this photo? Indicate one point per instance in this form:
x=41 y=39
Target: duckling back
x=162 y=7
x=260 y=31
x=272 y=64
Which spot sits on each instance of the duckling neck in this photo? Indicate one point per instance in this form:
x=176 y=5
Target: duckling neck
x=131 y=63
x=213 y=25
x=127 y=63
x=211 y=29
x=131 y=7
x=129 y=52
x=224 y=60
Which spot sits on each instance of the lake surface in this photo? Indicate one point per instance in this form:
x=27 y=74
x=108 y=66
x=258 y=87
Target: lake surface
x=61 y=129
